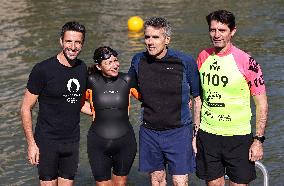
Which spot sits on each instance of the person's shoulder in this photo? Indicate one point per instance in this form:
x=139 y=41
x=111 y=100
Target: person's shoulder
x=181 y=55
x=238 y=51
x=125 y=76
x=45 y=64
x=94 y=76
x=241 y=56
x=138 y=56
x=47 y=61
x=206 y=52
x=81 y=63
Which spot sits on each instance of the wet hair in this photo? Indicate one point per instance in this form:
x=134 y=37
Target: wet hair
x=222 y=16
x=159 y=22
x=100 y=54
x=73 y=26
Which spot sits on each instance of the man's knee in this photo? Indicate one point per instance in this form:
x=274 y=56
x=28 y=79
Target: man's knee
x=180 y=180
x=217 y=182
x=158 y=177
x=119 y=180
x=237 y=184
x=65 y=182
x=48 y=183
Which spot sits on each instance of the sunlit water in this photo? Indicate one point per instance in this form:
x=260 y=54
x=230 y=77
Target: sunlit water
x=30 y=33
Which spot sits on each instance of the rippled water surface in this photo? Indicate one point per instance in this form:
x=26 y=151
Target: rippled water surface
x=30 y=33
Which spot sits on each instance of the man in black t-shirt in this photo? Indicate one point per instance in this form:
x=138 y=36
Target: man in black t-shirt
x=58 y=84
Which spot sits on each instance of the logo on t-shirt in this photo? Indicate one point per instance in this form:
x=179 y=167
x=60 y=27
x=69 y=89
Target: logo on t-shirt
x=73 y=87
x=111 y=92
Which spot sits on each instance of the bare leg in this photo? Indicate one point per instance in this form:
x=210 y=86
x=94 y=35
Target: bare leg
x=119 y=180
x=48 y=183
x=65 y=182
x=104 y=183
x=180 y=180
x=158 y=178
x=217 y=182
x=236 y=184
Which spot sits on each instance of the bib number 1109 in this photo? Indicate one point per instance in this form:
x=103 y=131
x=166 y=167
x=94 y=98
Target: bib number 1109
x=214 y=79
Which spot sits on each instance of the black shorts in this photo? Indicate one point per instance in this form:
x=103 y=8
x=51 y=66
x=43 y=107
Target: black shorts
x=57 y=160
x=105 y=154
x=220 y=155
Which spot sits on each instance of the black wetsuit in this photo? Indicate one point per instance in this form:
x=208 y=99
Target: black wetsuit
x=111 y=139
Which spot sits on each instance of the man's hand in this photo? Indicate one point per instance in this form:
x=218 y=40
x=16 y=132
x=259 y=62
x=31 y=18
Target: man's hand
x=256 y=151
x=190 y=104
x=33 y=154
x=194 y=145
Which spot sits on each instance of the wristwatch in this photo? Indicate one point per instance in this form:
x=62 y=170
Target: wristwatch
x=259 y=138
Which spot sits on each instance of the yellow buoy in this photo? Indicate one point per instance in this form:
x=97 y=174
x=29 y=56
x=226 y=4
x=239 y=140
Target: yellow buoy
x=135 y=24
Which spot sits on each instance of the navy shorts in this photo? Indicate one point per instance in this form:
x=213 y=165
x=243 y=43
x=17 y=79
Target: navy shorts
x=170 y=149
x=57 y=160
x=111 y=155
x=219 y=155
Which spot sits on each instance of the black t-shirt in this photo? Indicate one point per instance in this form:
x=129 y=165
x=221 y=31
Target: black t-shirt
x=60 y=89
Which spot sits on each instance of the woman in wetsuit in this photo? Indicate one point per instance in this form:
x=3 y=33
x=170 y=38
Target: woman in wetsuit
x=111 y=140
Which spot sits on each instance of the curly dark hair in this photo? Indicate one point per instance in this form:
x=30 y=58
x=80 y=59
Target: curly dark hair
x=222 y=16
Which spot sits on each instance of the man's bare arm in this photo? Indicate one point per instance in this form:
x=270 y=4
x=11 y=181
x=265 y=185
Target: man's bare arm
x=256 y=149
x=261 y=113
x=86 y=109
x=197 y=108
x=196 y=120
x=29 y=101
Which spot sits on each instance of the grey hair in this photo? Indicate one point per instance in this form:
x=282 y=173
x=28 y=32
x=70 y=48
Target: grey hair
x=159 y=22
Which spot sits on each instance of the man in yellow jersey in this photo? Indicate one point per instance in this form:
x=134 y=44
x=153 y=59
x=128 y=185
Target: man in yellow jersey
x=229 y=76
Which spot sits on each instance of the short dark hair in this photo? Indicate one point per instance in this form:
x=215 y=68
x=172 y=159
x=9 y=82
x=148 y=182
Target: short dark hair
x=100 y=54
x=222 y=16
x=73 y=26
x=159 y=22
x=103 y=53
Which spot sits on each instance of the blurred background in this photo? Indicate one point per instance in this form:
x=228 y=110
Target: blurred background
x=29 y=33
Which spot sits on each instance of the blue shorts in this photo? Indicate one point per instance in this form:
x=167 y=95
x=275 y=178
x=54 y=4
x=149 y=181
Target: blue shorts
x=172 y=148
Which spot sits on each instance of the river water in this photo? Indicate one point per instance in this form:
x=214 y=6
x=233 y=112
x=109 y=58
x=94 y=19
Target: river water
x=30 y=33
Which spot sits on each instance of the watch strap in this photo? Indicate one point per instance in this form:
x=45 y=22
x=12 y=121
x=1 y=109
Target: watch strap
x=259 y=138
